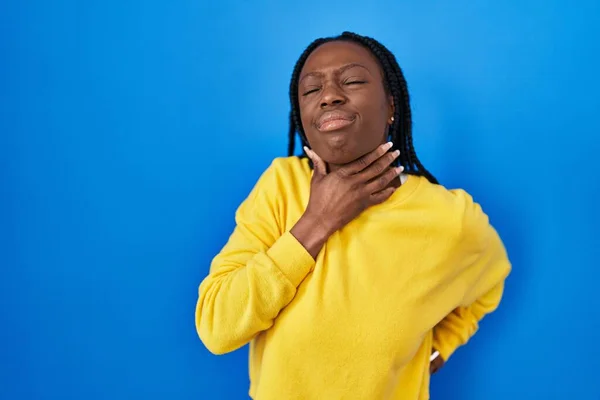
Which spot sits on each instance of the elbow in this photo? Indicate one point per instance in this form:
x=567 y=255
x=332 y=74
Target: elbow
x=214 y=344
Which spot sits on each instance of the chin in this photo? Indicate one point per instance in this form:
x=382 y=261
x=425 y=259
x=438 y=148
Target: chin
x=340 y=148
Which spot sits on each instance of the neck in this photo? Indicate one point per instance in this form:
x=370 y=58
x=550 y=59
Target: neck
x=333 y=167
x=396 y=182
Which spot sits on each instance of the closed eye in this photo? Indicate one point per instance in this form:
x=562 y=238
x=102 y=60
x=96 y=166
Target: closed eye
x=310 y=91
x=354 y=81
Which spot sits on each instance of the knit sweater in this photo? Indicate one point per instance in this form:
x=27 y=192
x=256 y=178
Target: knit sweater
x=414 y=273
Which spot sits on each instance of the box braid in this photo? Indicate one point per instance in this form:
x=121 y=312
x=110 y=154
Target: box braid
x=395 y=84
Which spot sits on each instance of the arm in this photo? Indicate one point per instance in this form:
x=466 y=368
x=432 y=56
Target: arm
x=254 y=276
x=486 y=267
x=461 y=324
x=258 y=271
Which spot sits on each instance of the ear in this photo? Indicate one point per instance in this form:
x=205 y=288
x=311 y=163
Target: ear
x=391 y=110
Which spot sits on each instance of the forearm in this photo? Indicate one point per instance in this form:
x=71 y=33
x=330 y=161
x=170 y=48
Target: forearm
x=236 y=302
x=461 y=324
x=312 y=233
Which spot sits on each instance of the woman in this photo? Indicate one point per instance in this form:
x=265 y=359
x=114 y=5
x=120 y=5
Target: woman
x=349 y=266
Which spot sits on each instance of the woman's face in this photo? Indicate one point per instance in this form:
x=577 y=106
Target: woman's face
x=344 y=108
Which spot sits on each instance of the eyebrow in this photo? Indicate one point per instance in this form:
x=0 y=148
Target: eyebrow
x=339 y=70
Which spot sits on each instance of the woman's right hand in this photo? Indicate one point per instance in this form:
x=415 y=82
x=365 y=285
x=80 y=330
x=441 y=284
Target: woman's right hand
x=338 y=197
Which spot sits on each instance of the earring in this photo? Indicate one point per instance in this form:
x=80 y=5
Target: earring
x=392 y=119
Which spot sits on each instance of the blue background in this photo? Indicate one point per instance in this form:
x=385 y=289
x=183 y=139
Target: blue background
x=130 y=131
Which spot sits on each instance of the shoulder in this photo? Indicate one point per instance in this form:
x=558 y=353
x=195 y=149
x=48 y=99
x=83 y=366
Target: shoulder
x=283 y=171
x=455 y=200
x=475 y=227
x=474 y=219
x=454 y=208
x=277 y=179
x=438 y=197
x=288 y=166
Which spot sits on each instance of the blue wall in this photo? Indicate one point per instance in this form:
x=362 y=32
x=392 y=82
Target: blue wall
x=130 y=132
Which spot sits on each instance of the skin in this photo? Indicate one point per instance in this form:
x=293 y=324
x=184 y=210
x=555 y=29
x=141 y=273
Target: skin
x=344 y=77
x=436 y=365
x=346 y=113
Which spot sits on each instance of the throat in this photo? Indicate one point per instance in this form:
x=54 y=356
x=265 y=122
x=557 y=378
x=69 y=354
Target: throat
x=395 y=183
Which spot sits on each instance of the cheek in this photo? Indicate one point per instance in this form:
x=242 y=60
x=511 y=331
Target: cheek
x=304 y=118
x=306 y=125
x=376 y=115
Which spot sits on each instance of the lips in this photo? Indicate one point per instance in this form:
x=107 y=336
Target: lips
x=333 y=120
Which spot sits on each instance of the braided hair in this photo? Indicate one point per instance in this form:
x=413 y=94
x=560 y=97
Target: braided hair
x=395 y=85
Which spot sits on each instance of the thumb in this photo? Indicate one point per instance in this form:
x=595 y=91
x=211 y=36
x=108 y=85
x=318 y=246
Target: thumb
x=319 y=164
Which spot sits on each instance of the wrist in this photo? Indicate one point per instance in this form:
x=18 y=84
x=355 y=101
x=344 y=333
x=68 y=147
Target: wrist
x=312 y=232
x=321 y=227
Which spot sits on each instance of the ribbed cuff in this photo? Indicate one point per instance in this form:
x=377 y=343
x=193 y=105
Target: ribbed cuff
x=446 y=348
x=292 y=259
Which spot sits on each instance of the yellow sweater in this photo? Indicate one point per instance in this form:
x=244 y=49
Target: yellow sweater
x=414 y=273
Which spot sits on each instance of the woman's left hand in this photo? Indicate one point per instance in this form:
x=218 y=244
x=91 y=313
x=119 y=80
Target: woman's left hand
x=436 y=364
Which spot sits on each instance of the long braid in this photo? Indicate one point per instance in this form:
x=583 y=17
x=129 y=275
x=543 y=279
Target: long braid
x=395 y=84
x=292 y=136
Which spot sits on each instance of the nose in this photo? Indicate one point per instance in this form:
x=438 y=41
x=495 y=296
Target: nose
x=332 y=96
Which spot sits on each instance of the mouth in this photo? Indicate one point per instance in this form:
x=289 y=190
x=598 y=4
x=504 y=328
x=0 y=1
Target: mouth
x=332 y=121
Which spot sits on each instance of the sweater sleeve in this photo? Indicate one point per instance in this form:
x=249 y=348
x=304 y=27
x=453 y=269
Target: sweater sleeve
x=485 y=265
x=461 y=324
x=255 y=275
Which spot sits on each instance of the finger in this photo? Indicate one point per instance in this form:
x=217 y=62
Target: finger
x=380 y=197
x=366 y=160
x=319 y=165
x=435 y=368
x=384 y=179
x=438 y=364
x=378 y=167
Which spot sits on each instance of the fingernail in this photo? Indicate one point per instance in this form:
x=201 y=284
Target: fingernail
x=388 y=145
x=306 y=149
x=399 y=170
x=396 y=153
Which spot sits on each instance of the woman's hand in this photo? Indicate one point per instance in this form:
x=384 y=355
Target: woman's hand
x=338 y=197
x=436 y=363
